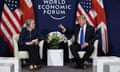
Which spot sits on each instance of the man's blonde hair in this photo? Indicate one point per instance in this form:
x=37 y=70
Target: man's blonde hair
x=81 y=16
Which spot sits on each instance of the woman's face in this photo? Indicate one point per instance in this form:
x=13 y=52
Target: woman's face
x=32 y=25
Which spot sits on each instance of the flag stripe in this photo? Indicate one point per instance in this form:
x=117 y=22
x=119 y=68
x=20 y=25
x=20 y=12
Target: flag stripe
x=103 y=38
x=13 y=18
x=93 y=14
x=81 y=10
x=100 y=3
x=8 y=30
x=6 y=37
x=91 y=19
x=18 y=14
x=7 y=21
x=10 y=22
x=80 y=13
x=106 y=40
x=17 y=17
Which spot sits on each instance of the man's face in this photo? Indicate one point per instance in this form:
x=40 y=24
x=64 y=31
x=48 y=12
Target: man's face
x=82 y=21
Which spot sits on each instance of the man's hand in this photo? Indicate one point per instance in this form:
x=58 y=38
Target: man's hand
x=61 y=27
x=84 y=45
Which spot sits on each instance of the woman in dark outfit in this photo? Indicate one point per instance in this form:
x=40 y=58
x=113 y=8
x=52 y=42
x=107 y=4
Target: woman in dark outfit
x=29 y=41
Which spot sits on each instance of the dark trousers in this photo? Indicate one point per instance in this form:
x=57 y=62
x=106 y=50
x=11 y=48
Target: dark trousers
x=63 y=46
x=76 y=47
x=33 y=50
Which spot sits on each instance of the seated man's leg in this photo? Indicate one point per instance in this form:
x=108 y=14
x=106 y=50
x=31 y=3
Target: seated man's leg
x=89 y=50
x=74 y=49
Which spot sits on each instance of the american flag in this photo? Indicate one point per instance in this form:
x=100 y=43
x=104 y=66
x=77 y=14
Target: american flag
x=14 y=15
x=10 y=21
x=95 y=15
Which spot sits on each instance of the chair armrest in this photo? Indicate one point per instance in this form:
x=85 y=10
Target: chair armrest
x=96 y=44
x=70 y=41
x=41 y=48
x=15 y=44
x=95 y=52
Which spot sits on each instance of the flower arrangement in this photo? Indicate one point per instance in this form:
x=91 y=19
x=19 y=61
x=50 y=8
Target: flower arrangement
x=54 y=39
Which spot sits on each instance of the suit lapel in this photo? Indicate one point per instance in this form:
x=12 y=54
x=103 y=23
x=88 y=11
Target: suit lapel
x=87 y=33
x=77 y=31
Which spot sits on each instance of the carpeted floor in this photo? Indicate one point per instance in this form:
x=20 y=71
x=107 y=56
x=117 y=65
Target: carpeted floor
x=66 y=68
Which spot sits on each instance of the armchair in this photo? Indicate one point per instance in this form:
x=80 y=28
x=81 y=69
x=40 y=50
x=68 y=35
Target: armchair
x=81 y=53
x=23 y=54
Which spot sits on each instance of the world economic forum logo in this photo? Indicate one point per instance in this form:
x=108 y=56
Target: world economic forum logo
x=56 y=9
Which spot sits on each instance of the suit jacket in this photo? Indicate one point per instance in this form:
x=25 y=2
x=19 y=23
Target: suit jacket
x=90 y=35
x=26 y=36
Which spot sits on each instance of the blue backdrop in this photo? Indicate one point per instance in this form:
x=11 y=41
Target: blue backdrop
x=112 y=9
x=50 y=13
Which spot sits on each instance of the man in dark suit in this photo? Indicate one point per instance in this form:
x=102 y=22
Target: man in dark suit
x=84 y=39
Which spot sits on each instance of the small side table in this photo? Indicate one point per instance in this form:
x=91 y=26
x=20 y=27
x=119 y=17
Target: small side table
x=98 y=62
x=112 y=67
x=55 y=57
x=6 y=67
x=11 y=60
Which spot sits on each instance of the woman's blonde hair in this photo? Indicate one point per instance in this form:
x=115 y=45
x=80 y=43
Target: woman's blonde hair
x=28 y=22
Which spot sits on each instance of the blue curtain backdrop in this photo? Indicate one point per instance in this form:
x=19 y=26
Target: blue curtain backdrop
x=48 y=18
x=112 y=9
